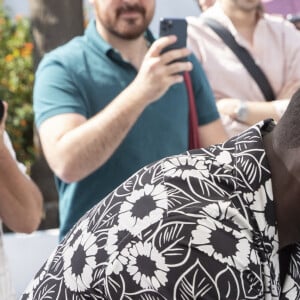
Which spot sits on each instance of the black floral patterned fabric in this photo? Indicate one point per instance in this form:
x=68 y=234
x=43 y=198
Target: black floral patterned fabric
x=200 y=225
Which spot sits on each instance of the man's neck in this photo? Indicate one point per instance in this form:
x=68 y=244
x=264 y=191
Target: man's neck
x=244 y=21
x=132 y=51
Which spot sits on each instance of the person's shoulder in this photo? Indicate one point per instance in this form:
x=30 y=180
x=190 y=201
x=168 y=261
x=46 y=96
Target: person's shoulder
x=198 y=30
x=68 y=54
x=284 y=31
x=196 y=23
x=277 y=22
x=193 y=20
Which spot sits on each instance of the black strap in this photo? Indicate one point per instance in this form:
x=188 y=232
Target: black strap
x=244 y=56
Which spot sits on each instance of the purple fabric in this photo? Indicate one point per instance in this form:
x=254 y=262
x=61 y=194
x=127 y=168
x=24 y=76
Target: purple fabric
x=282 y=7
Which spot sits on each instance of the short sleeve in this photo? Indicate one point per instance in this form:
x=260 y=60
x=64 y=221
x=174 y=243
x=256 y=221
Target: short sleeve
x=205 y=101
x=55 y=91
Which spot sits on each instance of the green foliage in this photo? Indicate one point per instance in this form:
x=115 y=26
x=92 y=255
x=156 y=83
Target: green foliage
x=16 y=82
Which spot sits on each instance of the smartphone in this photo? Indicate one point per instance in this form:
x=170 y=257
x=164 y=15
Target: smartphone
x=174 y=26
x=1 y=110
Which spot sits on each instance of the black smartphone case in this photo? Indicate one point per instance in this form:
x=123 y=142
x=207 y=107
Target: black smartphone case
x=173 y=26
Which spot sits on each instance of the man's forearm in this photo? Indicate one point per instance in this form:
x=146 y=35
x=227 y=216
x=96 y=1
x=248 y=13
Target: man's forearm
x=87 y=147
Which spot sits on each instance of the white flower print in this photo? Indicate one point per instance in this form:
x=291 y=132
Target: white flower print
x=112 y=239
x=73 y=239
x=224 y=210
x=116 y=261
x=185 y=167
x=248 y=197
x=261 y=201
x=143 y=208
x=146 y=265
x=210 y=237
x=224 y=158
x=80 y=262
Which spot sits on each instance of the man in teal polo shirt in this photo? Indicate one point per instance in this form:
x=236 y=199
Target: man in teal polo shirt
x=108 y=103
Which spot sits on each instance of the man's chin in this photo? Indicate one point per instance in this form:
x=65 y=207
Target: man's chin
x=130 y=33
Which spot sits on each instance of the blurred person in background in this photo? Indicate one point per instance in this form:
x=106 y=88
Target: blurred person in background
x=273 y=43
x=109 y=102
x=205 y=4
x=20 y=202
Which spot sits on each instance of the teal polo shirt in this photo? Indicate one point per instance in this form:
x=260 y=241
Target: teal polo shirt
x=82 y=77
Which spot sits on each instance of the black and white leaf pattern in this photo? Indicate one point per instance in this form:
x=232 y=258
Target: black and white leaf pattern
x=145 y=295
x=196 y=283
x=170 y=239
x=227 y=283
x=199 y=225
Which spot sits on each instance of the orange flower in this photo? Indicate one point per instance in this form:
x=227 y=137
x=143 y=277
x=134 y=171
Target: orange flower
x=9 y=58
x=25 y=53
x=27 y=49
x=28 y=46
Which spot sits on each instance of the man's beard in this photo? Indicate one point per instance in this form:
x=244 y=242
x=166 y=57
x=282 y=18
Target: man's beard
x=130 y=30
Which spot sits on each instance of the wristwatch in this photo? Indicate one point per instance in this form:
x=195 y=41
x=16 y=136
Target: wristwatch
x=241 y=112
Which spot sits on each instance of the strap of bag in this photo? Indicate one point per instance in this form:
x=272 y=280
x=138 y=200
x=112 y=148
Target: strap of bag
x=194 y=141
x=245 y=57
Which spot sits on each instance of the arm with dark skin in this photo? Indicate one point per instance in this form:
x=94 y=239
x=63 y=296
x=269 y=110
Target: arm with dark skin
x=286 y=189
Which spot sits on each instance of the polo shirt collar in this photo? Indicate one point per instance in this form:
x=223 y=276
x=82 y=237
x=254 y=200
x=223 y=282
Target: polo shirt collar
x=97 y=42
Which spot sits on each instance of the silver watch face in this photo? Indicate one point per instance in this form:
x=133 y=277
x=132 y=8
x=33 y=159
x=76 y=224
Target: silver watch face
x=242 y=112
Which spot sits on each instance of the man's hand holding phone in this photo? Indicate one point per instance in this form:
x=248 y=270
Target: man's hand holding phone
x=163 y=65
